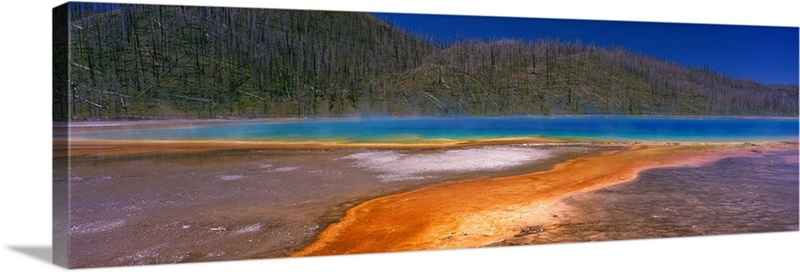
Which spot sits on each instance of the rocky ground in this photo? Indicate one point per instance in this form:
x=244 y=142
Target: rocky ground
x=731 y=196
x=155 y=207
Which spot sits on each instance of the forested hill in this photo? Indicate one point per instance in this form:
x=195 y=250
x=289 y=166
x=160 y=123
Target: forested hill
x=142 y=62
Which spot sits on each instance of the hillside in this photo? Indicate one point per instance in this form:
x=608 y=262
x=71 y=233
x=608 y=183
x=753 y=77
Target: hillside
x=551 y=77
x=140 y=62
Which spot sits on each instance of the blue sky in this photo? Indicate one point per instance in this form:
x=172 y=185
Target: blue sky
x=765 y=54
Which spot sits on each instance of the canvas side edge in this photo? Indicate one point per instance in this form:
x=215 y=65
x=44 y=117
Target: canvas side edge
x=60 y=118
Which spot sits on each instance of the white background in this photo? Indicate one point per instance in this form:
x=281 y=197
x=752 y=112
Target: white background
x=25 y=44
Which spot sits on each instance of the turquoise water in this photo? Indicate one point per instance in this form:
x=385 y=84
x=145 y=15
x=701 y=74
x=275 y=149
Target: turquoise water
x=393 y=130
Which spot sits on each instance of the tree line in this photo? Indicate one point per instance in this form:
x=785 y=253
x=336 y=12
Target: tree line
x=128 y=61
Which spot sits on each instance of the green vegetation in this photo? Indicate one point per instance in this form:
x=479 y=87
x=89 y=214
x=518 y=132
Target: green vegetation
x=142 y=61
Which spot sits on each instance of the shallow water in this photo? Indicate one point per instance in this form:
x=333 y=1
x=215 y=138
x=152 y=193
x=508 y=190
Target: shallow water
x=734 y=195
x=223 y=205
x=404 y=130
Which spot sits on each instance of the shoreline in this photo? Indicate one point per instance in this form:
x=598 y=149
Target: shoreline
x=63 y=139
x=499 y=207
x=79 y=147
x=101 y=147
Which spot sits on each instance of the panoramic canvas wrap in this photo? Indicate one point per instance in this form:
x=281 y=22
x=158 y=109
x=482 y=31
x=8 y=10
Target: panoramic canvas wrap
x=190 y=134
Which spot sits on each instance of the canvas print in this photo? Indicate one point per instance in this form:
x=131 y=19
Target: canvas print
x=193 y=134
